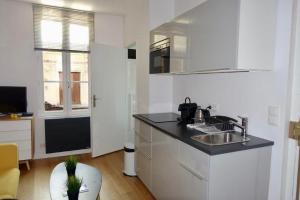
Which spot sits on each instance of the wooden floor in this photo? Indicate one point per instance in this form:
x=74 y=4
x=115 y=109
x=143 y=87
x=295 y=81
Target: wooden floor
x=34 y=184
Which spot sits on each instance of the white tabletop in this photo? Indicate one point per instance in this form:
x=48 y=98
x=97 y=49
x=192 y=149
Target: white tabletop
x=90 y=176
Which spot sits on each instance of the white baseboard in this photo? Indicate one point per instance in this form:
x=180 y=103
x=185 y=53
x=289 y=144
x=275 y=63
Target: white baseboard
x=65 y=153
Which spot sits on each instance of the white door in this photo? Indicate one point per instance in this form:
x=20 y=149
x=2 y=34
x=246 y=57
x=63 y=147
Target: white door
x=109 y=99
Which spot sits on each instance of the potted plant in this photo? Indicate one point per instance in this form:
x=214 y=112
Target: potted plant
x=70 y=164
x=73 y=187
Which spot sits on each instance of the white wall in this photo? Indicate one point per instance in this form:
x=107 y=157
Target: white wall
x=183 y=6
x=160 y=12
x=160 y=93
x=20 y=65
x=17 y=58
x=137 y=32
x=109 y=30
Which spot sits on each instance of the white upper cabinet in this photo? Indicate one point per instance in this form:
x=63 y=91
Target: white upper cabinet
x=222 y=35
x=257 y=34
x=213 y=35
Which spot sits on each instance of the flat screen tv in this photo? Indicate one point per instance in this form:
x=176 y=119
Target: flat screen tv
x=13 y=99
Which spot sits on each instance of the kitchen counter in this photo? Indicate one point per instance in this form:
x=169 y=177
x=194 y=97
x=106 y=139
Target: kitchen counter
x=182 y=133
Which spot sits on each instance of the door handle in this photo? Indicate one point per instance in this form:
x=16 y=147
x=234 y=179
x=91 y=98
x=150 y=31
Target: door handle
x=297 y=130
x=192 y=171
x=94 y=101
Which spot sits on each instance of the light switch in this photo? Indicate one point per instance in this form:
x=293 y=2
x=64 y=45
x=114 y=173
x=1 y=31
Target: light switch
x=274 y=115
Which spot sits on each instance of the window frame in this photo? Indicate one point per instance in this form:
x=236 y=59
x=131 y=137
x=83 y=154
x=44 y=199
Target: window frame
x=67 y=91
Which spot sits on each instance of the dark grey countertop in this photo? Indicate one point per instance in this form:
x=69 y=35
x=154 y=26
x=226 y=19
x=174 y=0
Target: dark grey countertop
x=182 y=133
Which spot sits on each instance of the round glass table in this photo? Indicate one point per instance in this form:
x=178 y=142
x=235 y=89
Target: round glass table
x=91 y=178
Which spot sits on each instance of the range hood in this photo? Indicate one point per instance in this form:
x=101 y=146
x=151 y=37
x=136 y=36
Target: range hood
x=216 y=71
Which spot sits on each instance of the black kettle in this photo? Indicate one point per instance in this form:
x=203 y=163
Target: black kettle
x=201 y=114
x=206 y=112
x=188 y=110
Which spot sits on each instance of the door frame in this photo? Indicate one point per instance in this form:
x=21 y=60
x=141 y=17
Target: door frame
x=291 y=184
x=129 y=137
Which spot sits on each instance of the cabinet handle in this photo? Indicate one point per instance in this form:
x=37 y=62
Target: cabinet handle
x=192 y=171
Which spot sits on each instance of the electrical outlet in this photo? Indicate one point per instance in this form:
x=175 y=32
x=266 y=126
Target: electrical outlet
x=274 y=115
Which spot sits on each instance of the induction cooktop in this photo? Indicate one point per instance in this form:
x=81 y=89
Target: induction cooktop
x=161 y=117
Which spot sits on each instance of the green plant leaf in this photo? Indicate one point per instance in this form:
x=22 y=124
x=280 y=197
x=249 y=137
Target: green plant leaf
x=73 y=184
x=71 y=162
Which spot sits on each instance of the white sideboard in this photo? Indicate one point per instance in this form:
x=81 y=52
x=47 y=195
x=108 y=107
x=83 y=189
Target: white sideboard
x=18 y=131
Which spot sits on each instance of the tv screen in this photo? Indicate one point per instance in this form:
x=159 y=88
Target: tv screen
x=13 y=99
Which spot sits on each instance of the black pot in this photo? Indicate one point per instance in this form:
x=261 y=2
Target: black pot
x=71 y=172
x=73 y=196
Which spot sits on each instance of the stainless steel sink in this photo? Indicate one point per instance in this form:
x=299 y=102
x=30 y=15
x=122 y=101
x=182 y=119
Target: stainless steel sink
x=220 y=138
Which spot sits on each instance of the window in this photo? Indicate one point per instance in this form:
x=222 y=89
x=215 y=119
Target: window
x=51 y=33
x=64 y=36
x=66 y=81
x=53 y=81
x=79 y=78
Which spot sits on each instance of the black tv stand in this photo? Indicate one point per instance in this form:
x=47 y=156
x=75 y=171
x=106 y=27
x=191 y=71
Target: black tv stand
x=27 y=114
x=22 y=114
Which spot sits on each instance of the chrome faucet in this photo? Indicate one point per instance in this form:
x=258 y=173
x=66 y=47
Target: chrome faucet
x=243 y=126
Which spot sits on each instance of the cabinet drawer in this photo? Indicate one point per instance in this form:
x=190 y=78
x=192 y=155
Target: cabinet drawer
x=15 y=125
x=143 y=130
x=15 y=136
x=24 y=148
x=194 y=160
x=22 y=144
x=145 y=147
x=144 y=169
x=191 y=187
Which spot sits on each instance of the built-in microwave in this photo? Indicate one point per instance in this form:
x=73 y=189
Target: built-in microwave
x=160 y=57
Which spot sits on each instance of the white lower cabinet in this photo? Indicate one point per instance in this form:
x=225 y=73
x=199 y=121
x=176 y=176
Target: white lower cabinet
x=241 y=175
x=191 y=186
x=173 y=170
x=165 y=168
x=193 y=173
x=143 y=161
x=144 y=169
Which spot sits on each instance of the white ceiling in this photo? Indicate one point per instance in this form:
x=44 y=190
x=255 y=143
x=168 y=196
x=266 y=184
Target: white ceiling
x=104 y=6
